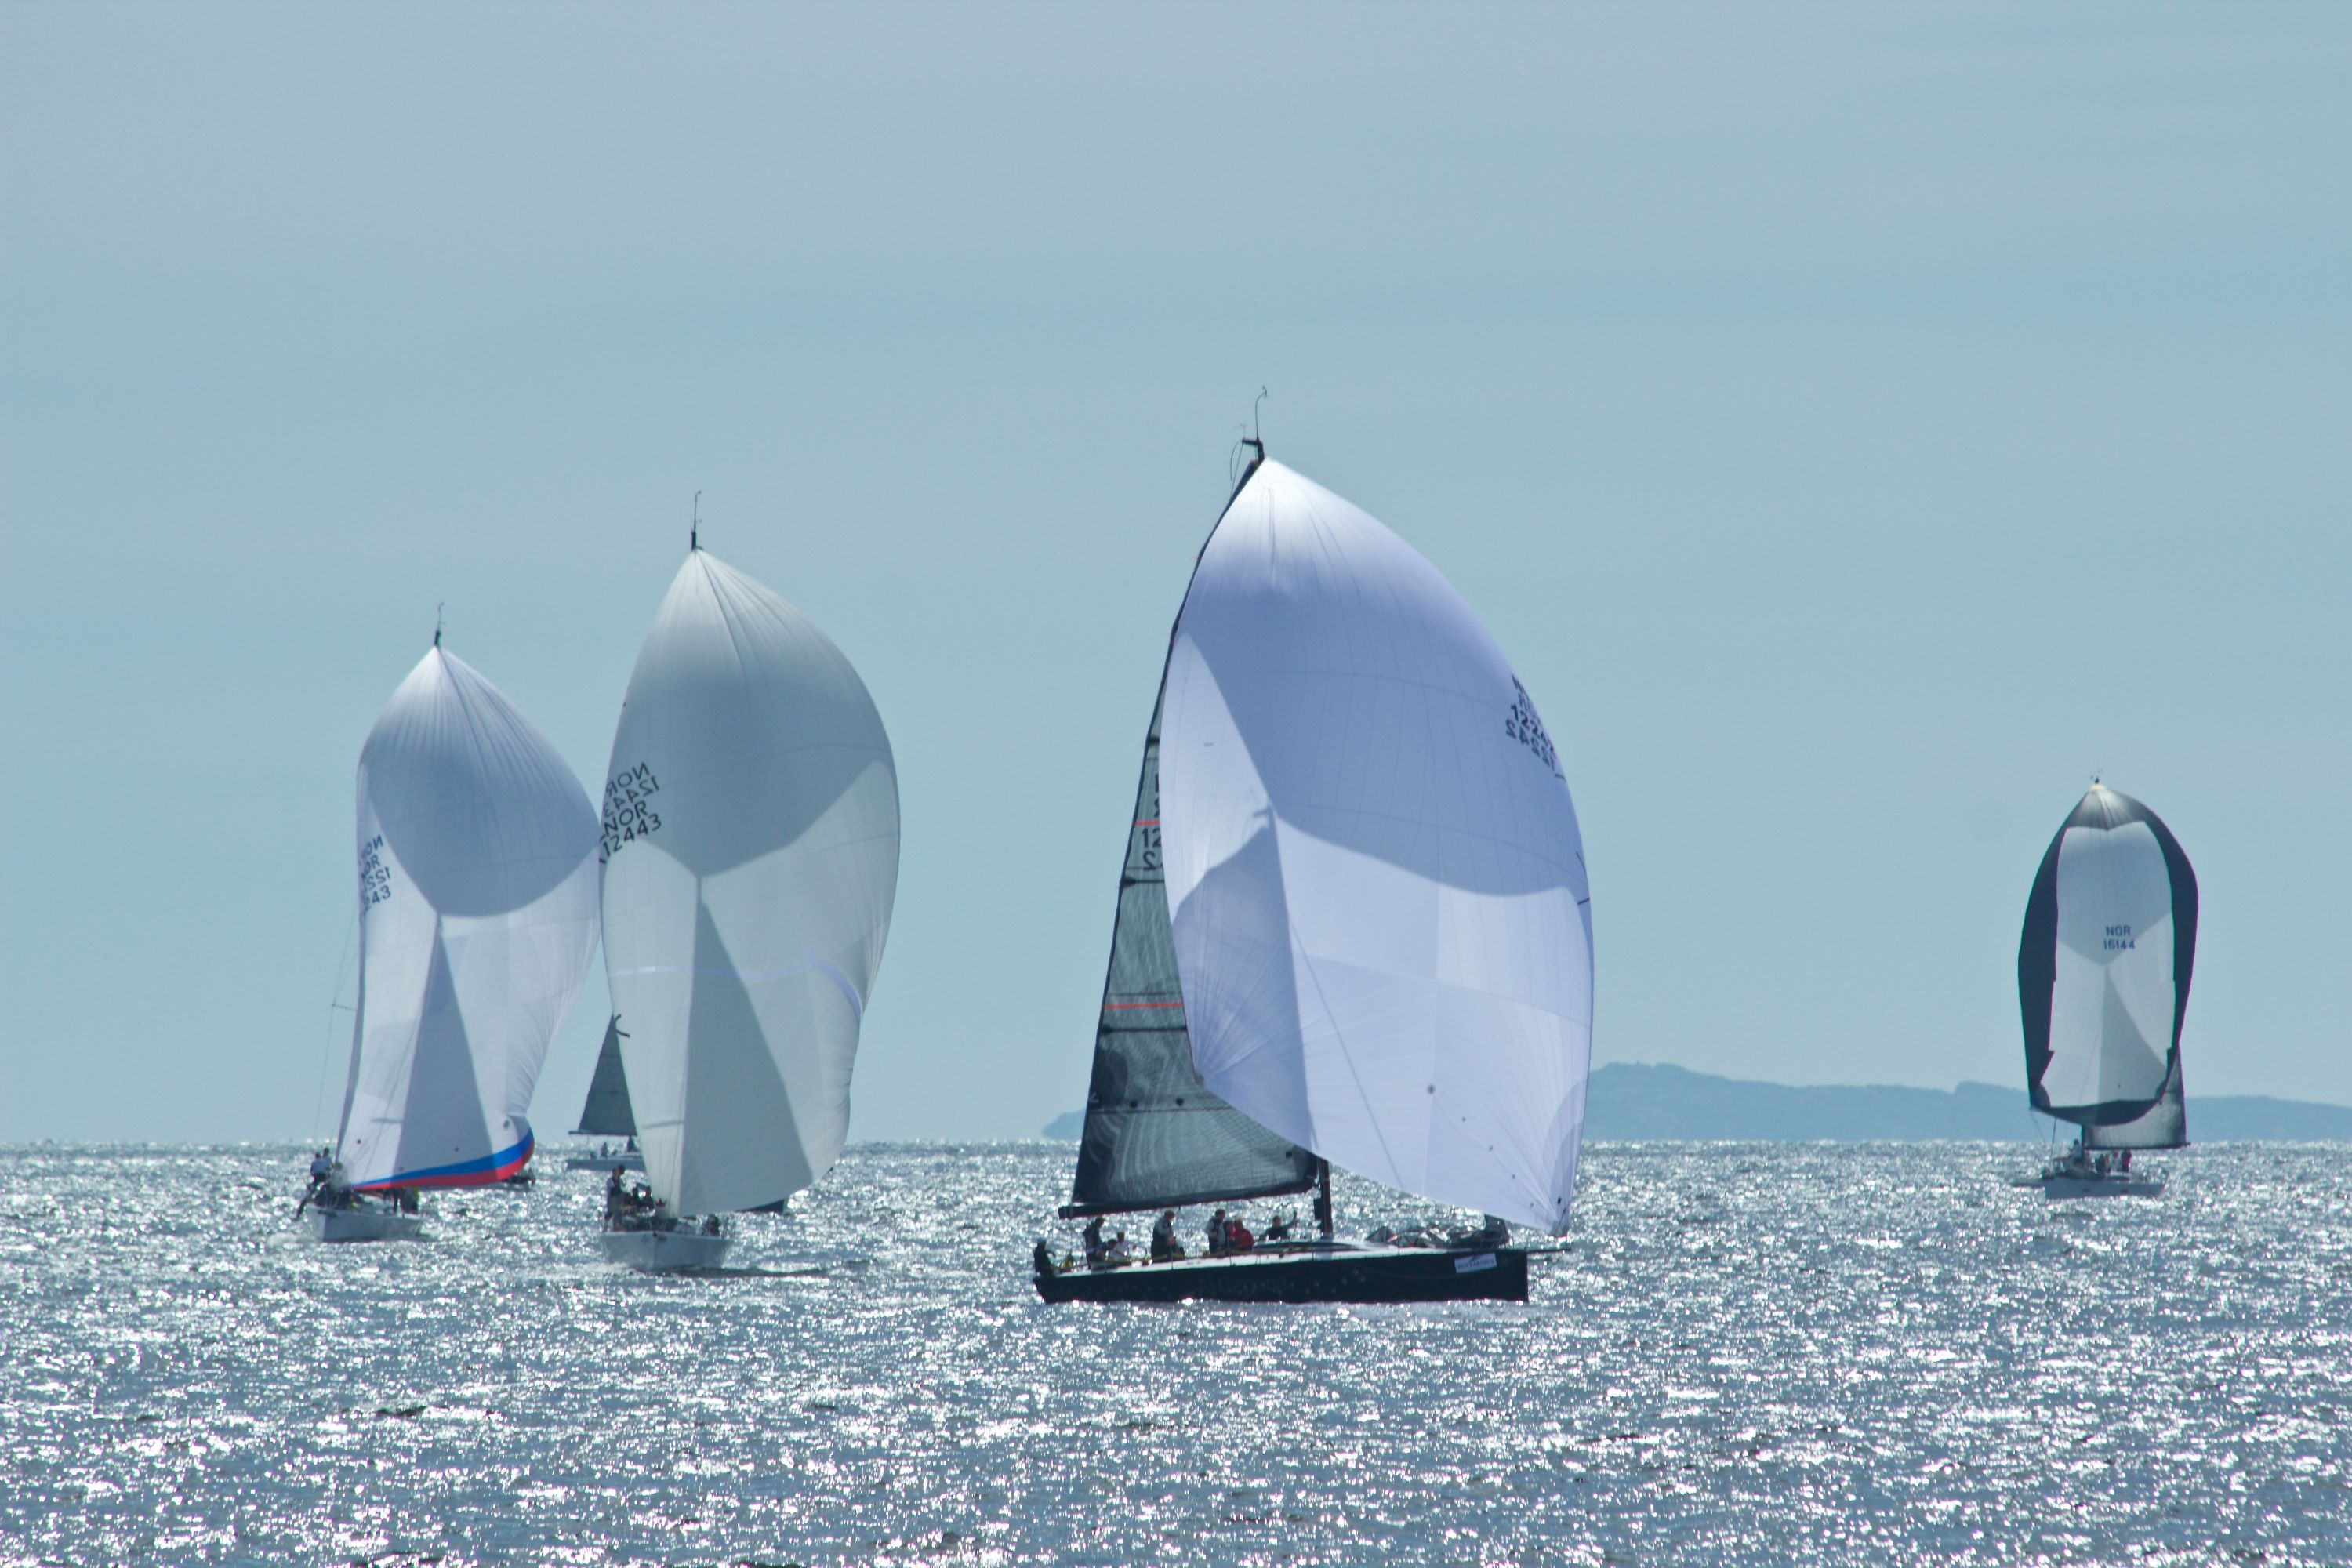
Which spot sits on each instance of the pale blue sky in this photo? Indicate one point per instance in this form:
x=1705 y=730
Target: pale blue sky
x=1857 y=424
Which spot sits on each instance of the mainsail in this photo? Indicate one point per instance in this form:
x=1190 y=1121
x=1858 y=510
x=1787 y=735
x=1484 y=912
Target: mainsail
x=1377 y=882
x=1154 y=1134
x=2103 y=970
x=478 y=914
x=751 y=849
x=606 y=1112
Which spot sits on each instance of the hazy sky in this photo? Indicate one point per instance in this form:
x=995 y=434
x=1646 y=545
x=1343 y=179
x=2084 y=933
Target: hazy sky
x=1858 y=424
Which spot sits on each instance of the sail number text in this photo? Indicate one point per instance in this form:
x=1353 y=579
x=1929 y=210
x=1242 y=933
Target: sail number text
x=628 y=809
x=2119 y=940
x=1523 y=726
x=375 y=877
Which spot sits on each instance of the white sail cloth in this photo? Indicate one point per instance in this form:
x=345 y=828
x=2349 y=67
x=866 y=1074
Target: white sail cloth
x=1374 y=869
x=2112 y=1001
x=477 y=918
x=751 y=837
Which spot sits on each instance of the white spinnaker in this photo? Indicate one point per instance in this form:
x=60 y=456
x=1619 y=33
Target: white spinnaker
x=477 y=917
x=751 y=844
x=1374 y=871
x=2111 y=1005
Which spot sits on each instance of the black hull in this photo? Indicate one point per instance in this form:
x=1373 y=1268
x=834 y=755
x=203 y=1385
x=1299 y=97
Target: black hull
x=1385 y=1275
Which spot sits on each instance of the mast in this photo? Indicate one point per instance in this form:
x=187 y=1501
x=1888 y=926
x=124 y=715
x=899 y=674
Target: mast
x=1323 y=1215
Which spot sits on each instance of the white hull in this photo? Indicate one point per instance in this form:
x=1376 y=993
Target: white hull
x=665 y=1251
x=605 y=1162
x=2067 y=1185
x=365 y=1225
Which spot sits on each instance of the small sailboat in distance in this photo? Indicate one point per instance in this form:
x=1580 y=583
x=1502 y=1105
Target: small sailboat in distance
x=2103 y=970
x=477 y=915
x=1354 y=927
x=607 y=1113
x=751 y=852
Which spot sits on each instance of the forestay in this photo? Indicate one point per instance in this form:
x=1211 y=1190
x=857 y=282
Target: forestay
x=1376 y=878
x=750 y=843
x=1154 y=1134
x=477 y=915
x=2104 y=963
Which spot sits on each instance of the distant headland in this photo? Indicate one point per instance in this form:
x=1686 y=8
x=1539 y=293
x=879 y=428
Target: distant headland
x=1643 y=1100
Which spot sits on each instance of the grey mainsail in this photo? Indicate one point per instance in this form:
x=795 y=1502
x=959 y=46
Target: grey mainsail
x=607 y=1114
x=1155 y=1137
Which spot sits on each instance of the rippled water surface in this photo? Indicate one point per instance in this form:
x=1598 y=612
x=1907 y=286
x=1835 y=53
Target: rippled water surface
x=1749 y=1355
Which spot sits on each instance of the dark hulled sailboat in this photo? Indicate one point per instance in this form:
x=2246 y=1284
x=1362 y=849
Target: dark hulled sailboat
x=1353 y=925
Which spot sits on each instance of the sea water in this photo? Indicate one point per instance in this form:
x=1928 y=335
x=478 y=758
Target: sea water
x=1748 y=1355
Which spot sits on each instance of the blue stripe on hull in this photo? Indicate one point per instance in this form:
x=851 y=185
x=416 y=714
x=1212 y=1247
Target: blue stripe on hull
x=479 y=1172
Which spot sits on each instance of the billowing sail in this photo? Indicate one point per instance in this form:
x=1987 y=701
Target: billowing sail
x=477 y=915
x=751 y=844
x=1376 y=878
x=2165 y=1125
x=606 y=1112
x=2103 y=966
x=1154 y=1134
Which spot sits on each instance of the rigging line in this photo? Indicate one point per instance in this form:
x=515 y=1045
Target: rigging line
x=334 y=1005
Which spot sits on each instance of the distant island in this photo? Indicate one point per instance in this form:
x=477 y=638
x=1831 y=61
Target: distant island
x=1634 y=1101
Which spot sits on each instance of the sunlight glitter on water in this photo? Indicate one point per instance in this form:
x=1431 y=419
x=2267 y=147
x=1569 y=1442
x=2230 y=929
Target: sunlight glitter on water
x=1752 y=1355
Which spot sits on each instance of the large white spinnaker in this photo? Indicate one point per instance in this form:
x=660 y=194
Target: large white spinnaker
x=2102 y=971
x=477 y=918
x=1374 y=870
x=750 y=843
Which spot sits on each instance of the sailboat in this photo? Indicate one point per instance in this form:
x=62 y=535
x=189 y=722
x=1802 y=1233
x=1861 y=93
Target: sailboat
x=1354 y=927
x=2102 y=971
x=477 y=915
x=750 y=857
x=606 y=1114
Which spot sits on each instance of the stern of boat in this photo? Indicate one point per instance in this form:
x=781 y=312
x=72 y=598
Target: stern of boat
x=660 y=1251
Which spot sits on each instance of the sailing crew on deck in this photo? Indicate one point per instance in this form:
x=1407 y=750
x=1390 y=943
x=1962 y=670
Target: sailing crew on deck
x=1091 y=1238
x=1237 y=1235
x=1165 y=1249
x=1121 y=1250
x=1217 y=1234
